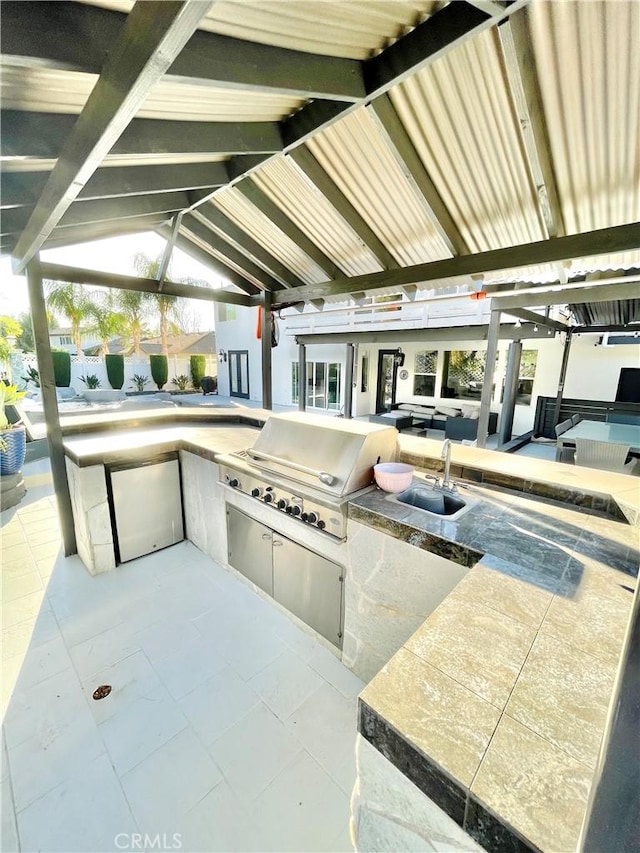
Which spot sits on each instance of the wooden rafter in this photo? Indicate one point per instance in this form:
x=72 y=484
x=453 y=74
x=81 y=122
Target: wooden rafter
x=61 y=272
x=57 y=34
x=24 y=188
x=196 y=224
x=153 y=35
x=228 y=229
x=187 y=237
x=621 y=238
x=308 y=164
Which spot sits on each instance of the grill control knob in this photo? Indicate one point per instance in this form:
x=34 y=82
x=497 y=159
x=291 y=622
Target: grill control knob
x=282 y=503
x=295 y=511
x=321 y=525
x=312 y=517
x=234 y=483
x=289 y=510
x=268 y=498
x=256 y=492
x=304 y=516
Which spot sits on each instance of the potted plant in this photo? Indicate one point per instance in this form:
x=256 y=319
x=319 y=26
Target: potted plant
x=13 y=441
x=95 y=394
x=181 y=382
x=139 y=381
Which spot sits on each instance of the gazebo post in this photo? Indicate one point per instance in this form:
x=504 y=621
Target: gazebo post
x=562 y=377
x=50 y=403
x=489 y=371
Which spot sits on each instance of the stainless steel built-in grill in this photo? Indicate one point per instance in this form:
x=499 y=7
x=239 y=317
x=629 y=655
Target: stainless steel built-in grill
x=309 y=466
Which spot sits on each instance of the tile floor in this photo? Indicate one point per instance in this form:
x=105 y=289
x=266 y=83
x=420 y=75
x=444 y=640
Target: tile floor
x=227 y=724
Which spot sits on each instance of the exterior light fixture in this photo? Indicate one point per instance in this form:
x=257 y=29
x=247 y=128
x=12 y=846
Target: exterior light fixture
x=222 y=355
x=398 y=358
x=535 y=328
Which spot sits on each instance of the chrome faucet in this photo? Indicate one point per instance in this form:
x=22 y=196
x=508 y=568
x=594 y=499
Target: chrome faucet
x=446 y=456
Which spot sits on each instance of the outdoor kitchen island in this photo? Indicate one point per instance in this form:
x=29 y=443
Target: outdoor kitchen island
x=489 y=716
x=483 y=730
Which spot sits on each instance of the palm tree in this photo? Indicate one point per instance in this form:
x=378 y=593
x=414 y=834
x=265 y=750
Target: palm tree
x=72 y=301
x=147 y=267
x=107 y=321
x=133 y=306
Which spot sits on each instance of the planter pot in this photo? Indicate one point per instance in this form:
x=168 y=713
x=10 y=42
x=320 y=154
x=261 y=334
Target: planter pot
x=103 y=395
x=12 y=458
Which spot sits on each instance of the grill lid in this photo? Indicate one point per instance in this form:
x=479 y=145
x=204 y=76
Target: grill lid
x=332 y=455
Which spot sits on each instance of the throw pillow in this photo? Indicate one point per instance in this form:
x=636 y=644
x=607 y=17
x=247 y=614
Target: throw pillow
x=445 y=410
x=467 y=411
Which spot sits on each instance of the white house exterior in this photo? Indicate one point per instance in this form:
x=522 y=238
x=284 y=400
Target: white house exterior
x=62 y=339
x=593 y=369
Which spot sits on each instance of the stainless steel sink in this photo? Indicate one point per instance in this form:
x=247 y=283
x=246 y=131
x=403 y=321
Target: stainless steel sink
x=433 y=501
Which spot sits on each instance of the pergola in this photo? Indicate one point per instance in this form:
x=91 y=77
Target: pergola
x=317 y=151
x=314 y=151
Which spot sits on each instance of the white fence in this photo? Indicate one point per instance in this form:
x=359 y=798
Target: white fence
x=95 y=366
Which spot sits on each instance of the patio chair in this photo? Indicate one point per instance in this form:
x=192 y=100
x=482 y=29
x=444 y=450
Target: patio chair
x=563 y=454
x=603 y=455
x=575 y=419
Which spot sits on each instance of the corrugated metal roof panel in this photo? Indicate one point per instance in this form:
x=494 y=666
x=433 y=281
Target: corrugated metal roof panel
x=258 y=226
x=303 y=203
x=459 y=116
x=202 y=245
x=353 y=29
x=356 y=157
x=588 y=65
x=56 y=91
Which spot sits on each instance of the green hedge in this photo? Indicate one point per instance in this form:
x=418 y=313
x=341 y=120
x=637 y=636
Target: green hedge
x=115 y=370
x=159 y=370
x=198 y=364
x=62 y=369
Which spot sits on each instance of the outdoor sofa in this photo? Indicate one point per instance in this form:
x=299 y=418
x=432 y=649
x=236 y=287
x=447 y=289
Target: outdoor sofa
x=457 y=423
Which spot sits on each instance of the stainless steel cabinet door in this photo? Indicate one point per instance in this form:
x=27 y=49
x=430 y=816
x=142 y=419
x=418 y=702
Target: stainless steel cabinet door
x=148 y=508
x=309 y=586
x=250 y=548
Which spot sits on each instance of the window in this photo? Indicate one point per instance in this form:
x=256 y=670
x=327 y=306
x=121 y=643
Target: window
x=527 y=374
x=323 y=384
x=424 y=380
x=227 y=312
x=364 y=375
x=65 y=340
x=463 y=374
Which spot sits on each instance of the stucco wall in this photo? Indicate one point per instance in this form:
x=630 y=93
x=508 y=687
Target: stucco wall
x=593 y=370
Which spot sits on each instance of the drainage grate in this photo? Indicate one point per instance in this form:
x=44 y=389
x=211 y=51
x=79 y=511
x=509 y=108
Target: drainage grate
x=102 y=691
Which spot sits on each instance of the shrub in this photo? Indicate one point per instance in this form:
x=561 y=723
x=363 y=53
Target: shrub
x=62 y=368
x=181 y=382
x=115 y=370
x=159 y=370
x=92 y=382
x=198 y=364
x=139 y=381
x=32 y=376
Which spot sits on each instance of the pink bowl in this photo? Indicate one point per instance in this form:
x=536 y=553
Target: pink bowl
x=393 y=476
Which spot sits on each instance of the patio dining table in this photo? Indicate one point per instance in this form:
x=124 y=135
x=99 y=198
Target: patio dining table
x=612 y=433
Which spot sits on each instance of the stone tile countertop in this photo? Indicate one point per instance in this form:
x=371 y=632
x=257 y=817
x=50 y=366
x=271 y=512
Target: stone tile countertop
x=496 y=706
x=126 y=445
